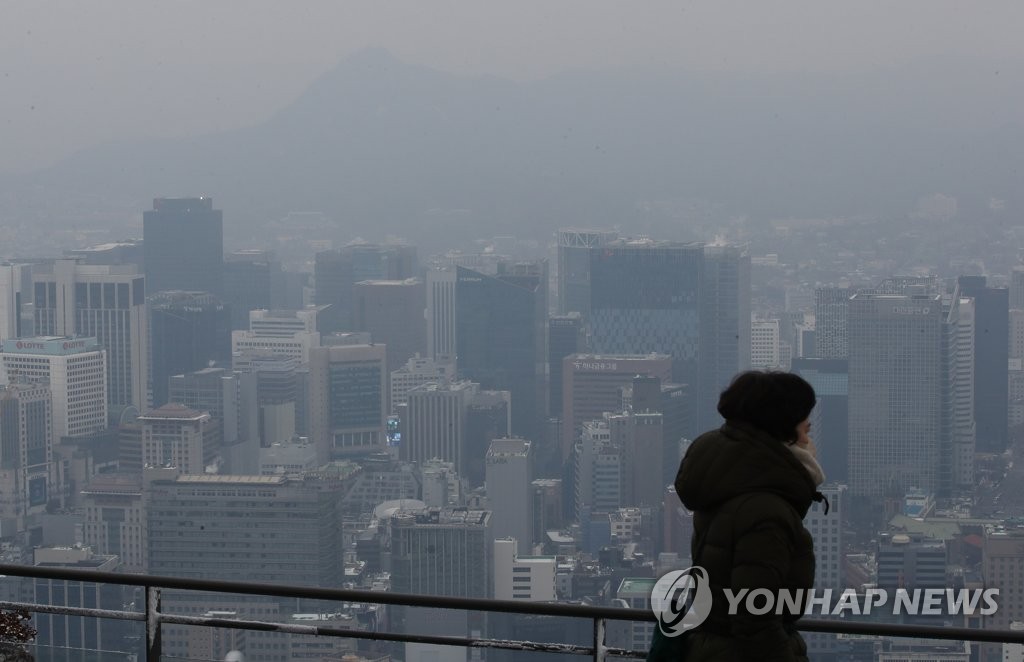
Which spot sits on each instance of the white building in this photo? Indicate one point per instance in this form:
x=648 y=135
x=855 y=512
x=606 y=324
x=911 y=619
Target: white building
x=416 y=372
x=288 y=333
x=176 y=436
x=530 y=578
x=75 y=369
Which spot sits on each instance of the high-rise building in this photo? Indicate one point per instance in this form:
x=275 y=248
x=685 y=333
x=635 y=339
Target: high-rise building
x=15 y=292
x=960 y=392
x=75 y=370
x=189 y=331
x=126 y=251
x=599 y=471
x=179 y=437
x=440 y=314
x=593 y=383
x=830 y=416
x=574 y=247
x=416 y=372
x=565 y=338
x=991 y=311
x=725 y=340
x=337 y=271
x=827 y=531
x=215 y=543
x=27 y=472
x=114 y=518
x=281 y=333
x=183 y=241
x=434 y=422
x=1017 y=288
x=348 y=389
x=107 y=302
x=1002 y=564
x=765 y=351
x=831 y=310
x=392 y=312
x=501 y=336
x=896 y=373
x=213 y=390
x=648 y=296
x=253 y=280
x=509 y=478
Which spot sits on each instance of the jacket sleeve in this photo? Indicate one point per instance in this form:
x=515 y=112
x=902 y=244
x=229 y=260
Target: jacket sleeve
x=763 y=551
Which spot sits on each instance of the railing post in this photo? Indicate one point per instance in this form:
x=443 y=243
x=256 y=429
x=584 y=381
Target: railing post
x=599 y=647
x=153 y=647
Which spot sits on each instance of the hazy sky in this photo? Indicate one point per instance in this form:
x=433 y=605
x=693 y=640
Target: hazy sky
x=76 y=73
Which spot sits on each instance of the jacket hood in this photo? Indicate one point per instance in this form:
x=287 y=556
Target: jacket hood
x=739 y=459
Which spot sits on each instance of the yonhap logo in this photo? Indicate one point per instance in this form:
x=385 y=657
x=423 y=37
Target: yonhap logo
x=681 y=600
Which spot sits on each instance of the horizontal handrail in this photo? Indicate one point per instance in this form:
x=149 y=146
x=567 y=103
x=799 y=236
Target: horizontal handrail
x=840 y=626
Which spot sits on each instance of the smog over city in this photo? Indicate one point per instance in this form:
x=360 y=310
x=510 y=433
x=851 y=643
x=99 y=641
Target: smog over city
x=510 y=316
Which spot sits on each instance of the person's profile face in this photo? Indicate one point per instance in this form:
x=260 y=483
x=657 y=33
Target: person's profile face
x=803 y=433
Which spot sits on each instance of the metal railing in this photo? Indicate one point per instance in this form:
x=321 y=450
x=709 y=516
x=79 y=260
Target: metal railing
x=154 y=618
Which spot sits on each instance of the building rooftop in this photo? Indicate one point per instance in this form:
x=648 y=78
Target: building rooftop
x=219 y=479
x=175 y=411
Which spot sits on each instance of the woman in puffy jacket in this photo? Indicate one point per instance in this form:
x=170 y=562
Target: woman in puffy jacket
x=749 y=484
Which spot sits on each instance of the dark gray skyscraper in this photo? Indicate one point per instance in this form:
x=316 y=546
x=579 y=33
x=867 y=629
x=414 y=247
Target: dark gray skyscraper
x=574 y=267
x=991 y=354
x=501 y=336
x=253 y=280
x=183 y=241
x=725 y=320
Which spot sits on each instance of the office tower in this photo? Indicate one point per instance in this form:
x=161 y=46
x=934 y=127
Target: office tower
x=277 y=394
x=337 y=271
x=348 y=399
x=440 y=314
x=281 y=333
x=416 y=372
x=27 y=471
x=895 y=416
x=526 y=577
x=765 y=350
x=831 y=310
x=179 y=437
x=646 y=297
x=565 y=338
x=635 y=592
x=114 y=518
x=253 y=280
x=725 y=337
x=443 y=552
x=593 y=383
x=75 y=371
x=991 y=310
x=78 y=637
x=829 y=555
x=440 y=484
x=126 y=251
x=574 y=267
x=830 y=416
x=434 y=422
x=488 y=416
x=189 y=331
x=598 y=470
x=213 y=390
x=392 y=312
x=183 y=241
x=15 y=292
x=548 y=507
x=649 y=395
x=501 y=336
x=215 y=543
x=1002 y=562
x=1017 y=288
x=107 y=302
x=508 y=478
x=959 y=389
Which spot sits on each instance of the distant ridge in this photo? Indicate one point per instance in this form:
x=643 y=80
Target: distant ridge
x=378 y=144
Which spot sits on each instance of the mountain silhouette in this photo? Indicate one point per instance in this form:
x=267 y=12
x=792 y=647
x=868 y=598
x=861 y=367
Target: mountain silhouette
x=386 y=146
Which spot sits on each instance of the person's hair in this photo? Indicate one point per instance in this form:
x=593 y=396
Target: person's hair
x=775 y=402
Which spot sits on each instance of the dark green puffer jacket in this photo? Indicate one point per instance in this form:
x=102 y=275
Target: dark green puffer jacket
x=749 y=495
